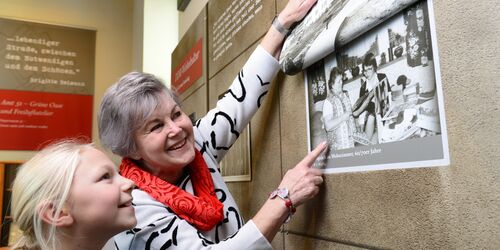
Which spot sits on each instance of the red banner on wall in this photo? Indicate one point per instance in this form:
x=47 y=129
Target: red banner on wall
x=189 y=70
x=30 y=119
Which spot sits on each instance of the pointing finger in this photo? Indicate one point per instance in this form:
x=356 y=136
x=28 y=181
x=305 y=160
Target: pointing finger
x=311 y=157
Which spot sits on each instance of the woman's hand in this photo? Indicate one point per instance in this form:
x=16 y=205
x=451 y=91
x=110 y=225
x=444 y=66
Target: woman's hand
x=303 y=181
x=294 y=11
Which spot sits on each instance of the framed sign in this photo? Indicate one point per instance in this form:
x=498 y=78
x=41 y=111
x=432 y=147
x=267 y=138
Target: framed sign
x=189 y=59
x=233 y=26
x=237 y=163
x=46 y=83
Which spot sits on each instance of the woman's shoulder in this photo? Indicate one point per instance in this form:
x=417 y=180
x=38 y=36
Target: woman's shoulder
x=144 y=203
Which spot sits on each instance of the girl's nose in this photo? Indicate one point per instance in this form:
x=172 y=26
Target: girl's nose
x=127 y=184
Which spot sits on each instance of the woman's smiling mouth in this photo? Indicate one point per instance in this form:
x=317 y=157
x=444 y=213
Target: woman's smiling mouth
x=178 y=145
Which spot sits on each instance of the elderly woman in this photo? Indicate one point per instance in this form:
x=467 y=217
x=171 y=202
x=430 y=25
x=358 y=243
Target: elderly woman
x=182 y=201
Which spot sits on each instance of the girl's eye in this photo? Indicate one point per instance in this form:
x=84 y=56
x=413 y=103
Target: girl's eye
x=105 y=176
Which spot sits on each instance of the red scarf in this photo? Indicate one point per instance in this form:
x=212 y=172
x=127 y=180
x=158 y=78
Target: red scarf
x=202 y=210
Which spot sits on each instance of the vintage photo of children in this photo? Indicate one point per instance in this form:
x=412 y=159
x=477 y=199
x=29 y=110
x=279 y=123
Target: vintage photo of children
x=380 y=88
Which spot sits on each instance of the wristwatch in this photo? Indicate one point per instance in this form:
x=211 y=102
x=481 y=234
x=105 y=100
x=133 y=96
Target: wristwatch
x=281 y=192
x=284 y=195
x=279 y=27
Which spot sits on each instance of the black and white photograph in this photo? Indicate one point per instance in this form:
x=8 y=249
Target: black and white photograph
x=331 y=24
x=378 y=100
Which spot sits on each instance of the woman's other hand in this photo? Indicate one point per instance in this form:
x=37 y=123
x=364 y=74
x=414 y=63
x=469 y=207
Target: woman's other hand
x=294 y=11
x=303 y=180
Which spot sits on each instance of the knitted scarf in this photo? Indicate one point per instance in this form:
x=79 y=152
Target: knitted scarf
x=202 y=210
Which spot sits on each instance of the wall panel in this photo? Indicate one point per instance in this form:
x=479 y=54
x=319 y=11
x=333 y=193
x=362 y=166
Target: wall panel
x=454 y=207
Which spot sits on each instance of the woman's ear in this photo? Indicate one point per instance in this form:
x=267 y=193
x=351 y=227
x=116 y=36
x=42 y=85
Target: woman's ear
x=47 y=212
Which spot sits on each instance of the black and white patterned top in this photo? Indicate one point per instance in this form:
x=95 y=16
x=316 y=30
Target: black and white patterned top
x=157 y=226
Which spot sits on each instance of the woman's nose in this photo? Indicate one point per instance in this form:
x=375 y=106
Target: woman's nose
x=173 y=129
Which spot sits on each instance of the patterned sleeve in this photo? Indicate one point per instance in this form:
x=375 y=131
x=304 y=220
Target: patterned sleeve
x=222 y=125
x=159 y=228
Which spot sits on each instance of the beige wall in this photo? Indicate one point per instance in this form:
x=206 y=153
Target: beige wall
x=187 y=16
x=454 y=207
x=113 y=21
x=159 y=37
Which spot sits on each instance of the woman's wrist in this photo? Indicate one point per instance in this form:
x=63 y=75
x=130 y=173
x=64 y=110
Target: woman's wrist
x=276 y=24
x=285 y=21
x=270 y=217
x=284 y=195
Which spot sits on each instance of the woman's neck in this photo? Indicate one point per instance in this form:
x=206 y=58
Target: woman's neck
x=170 y=175
x=372 y=82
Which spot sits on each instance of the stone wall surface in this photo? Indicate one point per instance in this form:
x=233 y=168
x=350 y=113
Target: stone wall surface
x=452 y=207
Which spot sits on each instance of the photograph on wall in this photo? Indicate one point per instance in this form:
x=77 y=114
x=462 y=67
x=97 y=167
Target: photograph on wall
x=378 y=100
x=331 y=24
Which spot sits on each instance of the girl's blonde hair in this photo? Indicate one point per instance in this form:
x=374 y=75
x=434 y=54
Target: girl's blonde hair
x=44 y=179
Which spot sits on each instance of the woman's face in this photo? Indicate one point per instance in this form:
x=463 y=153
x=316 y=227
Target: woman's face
x=337 y=84
x=165 y=142
x=100 y=200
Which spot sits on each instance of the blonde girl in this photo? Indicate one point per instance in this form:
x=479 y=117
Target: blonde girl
x=70 y=196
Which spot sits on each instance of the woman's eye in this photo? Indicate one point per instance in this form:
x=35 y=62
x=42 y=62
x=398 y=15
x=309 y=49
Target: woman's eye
x=155 y=127
x=177 y=114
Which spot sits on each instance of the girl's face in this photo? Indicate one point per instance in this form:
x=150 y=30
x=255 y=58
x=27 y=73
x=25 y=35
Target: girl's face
x=369 y=71
x=100 y=200
x=166 y=142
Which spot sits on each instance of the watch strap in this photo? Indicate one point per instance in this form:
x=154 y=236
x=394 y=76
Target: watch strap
x=279 y=27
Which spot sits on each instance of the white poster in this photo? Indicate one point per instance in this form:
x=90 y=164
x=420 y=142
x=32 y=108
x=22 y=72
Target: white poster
x=378 y=100
x=331 y=24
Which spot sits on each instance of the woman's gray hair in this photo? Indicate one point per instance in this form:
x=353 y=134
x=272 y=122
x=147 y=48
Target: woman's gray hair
x=125 y=107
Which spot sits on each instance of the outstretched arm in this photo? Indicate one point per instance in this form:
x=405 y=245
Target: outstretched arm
x=293 y=12
x=358 y=110
x=222 y=125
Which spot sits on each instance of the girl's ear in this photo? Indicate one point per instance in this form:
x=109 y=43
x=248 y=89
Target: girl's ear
x=47 y=212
